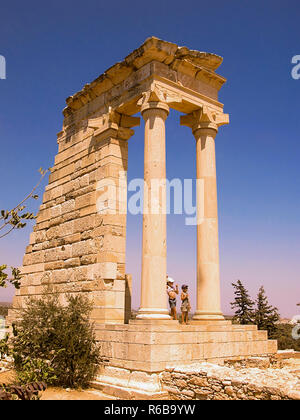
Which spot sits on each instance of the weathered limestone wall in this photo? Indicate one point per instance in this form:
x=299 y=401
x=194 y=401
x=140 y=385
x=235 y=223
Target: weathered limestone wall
x=152 y=347
x=74 y=246
x=212 y=382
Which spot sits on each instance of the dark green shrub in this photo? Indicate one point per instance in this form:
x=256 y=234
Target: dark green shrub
x=36 y=370
x=58 y=340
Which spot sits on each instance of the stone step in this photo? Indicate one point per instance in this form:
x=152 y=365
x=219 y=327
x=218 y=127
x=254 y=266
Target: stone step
x=128 y=393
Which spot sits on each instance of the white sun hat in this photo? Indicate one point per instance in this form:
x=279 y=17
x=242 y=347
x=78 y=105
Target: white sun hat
x=170 y=280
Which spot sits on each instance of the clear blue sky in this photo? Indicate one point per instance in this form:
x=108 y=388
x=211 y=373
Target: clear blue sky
x=53 y=48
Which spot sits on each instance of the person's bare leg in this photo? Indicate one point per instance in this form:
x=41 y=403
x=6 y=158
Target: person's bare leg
x=175 y=314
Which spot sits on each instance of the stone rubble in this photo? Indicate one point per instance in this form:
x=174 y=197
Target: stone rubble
x=206 y=381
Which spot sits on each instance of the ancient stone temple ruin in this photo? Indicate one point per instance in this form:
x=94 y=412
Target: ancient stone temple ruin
x=78 y=243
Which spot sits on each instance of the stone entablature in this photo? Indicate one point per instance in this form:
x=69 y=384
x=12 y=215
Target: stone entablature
x=177 y=63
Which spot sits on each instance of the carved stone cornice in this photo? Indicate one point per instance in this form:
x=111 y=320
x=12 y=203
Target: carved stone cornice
x=119 y=124
x=201 y=65
x=204 y=118
x=156 y=97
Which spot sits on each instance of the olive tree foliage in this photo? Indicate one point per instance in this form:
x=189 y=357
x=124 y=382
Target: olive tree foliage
x=56 y=343
x=17 y=218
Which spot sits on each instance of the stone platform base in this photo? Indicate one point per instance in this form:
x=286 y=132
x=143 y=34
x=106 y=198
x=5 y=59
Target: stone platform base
x=137 y=353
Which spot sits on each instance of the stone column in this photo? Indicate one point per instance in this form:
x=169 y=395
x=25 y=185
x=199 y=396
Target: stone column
x=154 y=251
x=204 y=124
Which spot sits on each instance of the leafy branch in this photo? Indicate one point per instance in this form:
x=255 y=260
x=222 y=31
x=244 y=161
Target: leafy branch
x=17 y=218
x=15 y=280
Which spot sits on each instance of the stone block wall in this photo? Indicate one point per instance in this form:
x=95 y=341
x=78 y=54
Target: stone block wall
x=76 y=246
x=152 y=347
x=212 y=382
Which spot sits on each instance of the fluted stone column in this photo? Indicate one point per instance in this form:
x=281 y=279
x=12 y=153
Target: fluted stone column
x=204 y=124
x=154 y=251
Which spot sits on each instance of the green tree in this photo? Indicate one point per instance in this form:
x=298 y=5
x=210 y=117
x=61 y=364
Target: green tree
x=242 y=304
x=54 y=338
x=266 y=315
x=10 y=220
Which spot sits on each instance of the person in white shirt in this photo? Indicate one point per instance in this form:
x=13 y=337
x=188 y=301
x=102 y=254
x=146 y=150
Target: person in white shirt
x=172 y=292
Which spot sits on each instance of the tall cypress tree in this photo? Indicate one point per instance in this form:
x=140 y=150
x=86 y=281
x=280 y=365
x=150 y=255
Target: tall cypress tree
x=266 y=315
x=242 y=304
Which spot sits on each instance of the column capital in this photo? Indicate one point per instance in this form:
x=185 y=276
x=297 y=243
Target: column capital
x=203 y=119
x=119 y=124
x=157 y=98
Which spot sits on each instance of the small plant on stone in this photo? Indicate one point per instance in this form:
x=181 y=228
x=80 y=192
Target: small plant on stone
x=59 y=341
